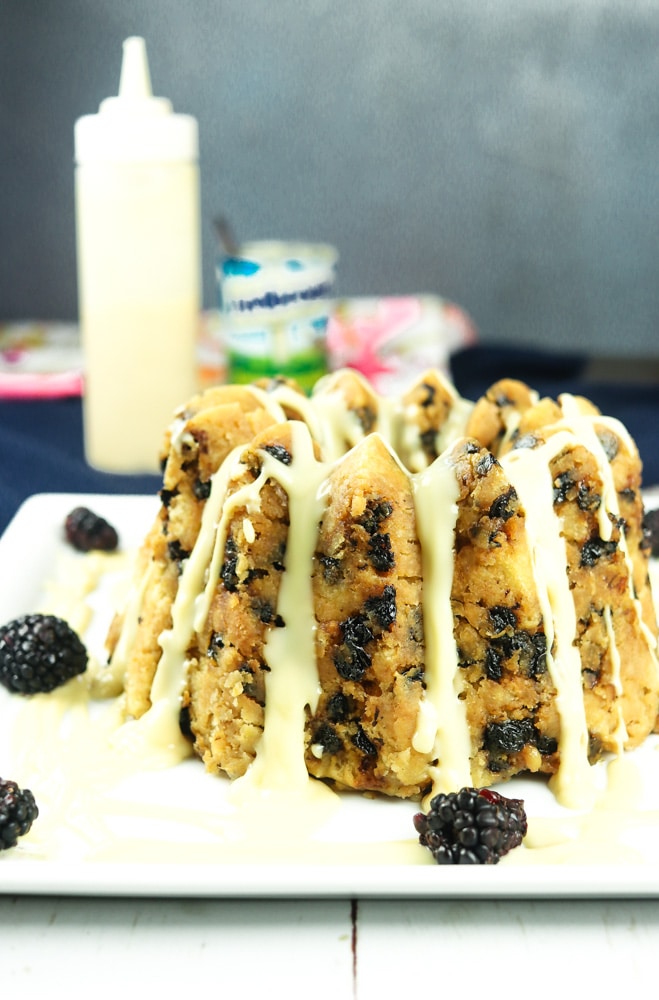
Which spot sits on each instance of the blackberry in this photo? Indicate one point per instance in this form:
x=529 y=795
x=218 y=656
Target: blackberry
x=86 y=530
x=18 y=811
x=471 y=827
x=39 y=653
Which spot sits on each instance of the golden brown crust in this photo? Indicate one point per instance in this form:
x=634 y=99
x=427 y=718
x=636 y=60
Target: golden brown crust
x=367 y=584
x=211 y=426
x=427 y=406
x=498 y=412
x=499 y=628
x=358 y=400
x=227 y=673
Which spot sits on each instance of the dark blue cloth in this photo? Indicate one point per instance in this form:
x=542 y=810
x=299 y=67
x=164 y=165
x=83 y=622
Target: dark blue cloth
x=41 y=451
x=41 y=445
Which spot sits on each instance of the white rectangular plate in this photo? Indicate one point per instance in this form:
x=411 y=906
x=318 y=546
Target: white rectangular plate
x=610 y=851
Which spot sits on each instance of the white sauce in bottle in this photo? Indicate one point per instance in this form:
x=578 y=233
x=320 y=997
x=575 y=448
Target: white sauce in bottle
x=138 y=253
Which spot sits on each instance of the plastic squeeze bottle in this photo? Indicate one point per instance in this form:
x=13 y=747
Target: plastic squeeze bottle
x=139 y=275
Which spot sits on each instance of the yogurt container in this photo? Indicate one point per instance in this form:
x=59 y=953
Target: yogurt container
x=276 y=298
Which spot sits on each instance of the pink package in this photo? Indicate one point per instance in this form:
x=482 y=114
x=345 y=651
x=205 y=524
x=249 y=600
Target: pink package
x=392 y=340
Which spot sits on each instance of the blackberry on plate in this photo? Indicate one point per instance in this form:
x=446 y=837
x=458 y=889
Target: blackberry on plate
x=18 y=811
x=471 y=827
x=39 y=653
x=85 y=530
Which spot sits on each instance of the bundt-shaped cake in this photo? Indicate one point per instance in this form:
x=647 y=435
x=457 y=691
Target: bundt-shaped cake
x=394 y=595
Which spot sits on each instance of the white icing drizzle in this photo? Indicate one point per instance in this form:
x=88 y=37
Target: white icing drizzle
x=337 y=428
x=409 y=445
x=294 y=401
x=442 y=723
x=292 y=683
x=620 y=734
x=268 y=401
x=340 y=428
x=581 y=425
x=169 y=679
x=116 y=669
x=528 y=471
x=455 y=423
x=159 y=725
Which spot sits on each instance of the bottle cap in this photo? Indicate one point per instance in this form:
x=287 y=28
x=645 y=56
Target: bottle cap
x=135 y=126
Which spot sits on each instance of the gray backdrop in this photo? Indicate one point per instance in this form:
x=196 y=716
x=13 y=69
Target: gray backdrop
x=502 y=154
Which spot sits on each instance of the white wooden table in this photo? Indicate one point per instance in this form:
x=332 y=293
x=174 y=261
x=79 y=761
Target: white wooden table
x=368 y=949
